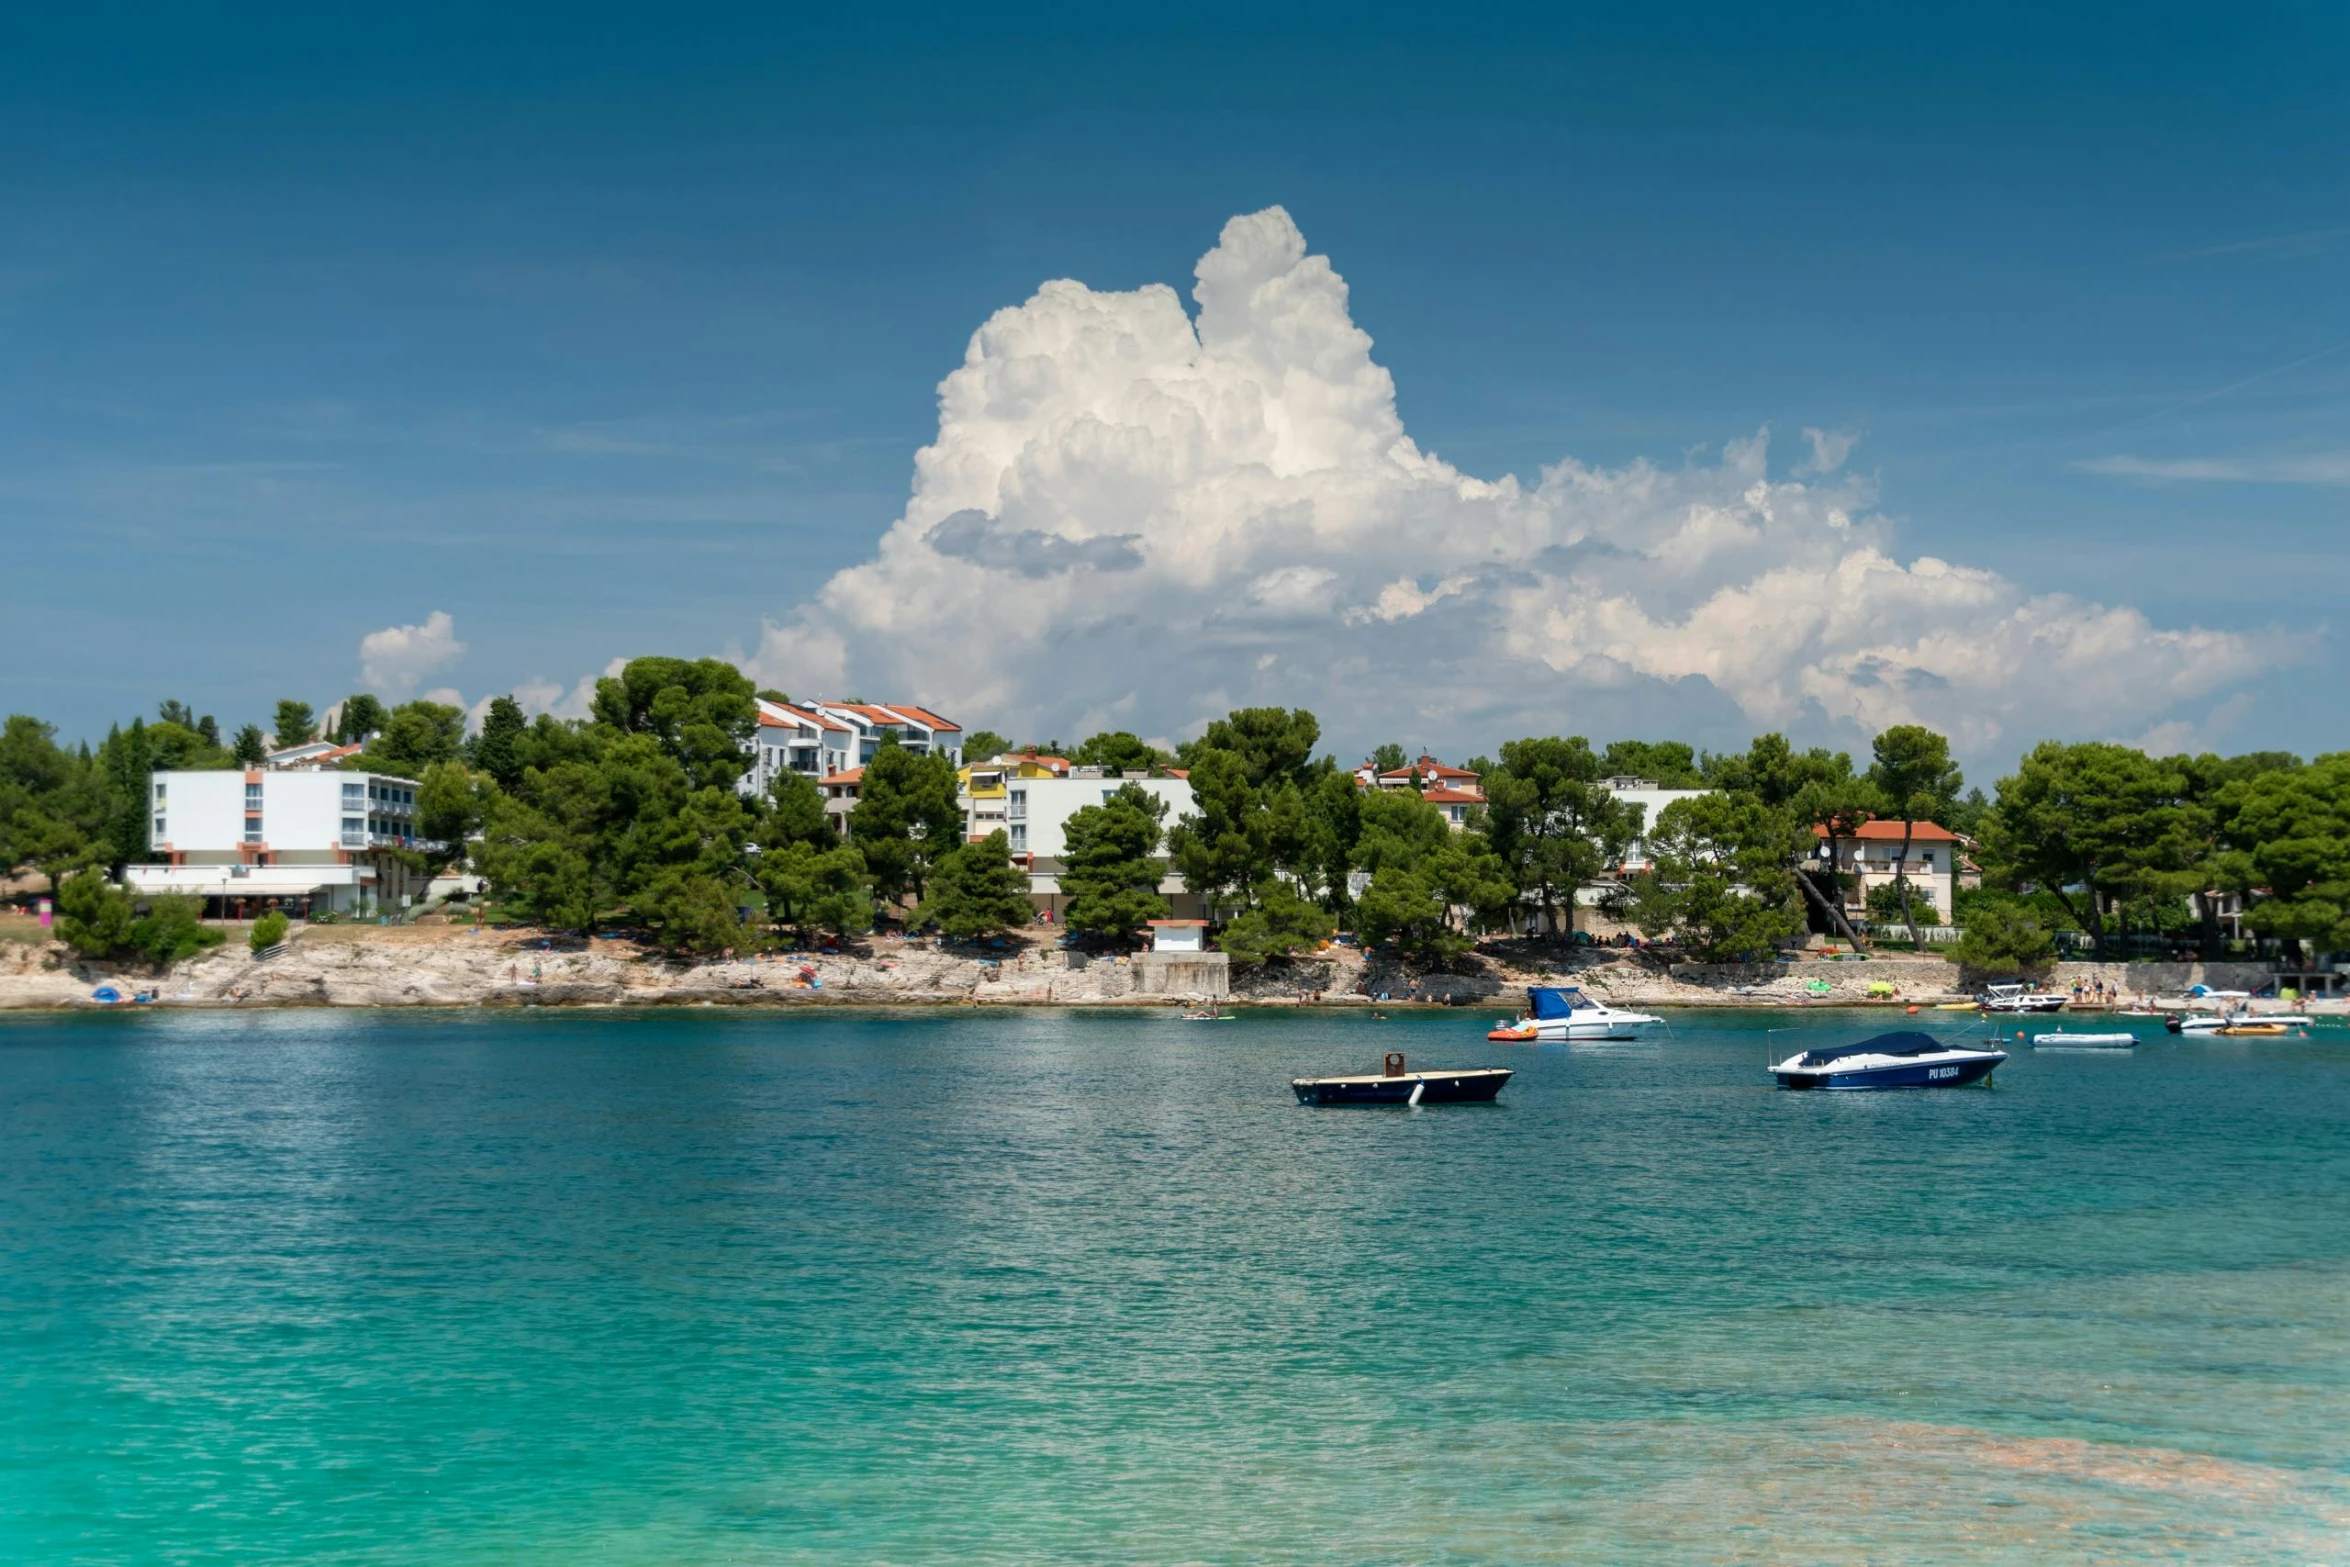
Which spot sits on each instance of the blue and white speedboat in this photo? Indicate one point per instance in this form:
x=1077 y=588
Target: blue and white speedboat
x=1563 y=1012
x=1902 y=1060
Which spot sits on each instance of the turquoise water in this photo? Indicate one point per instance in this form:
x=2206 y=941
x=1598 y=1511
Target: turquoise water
x=1039 y=1286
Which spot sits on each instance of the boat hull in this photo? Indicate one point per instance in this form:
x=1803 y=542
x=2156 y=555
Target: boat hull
x=1472 y=1086
x=1927 y=1072
x=2084 y=1041
x=1559 y=1030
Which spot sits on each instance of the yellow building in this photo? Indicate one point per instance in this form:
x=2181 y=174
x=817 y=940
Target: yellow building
x=987 y=787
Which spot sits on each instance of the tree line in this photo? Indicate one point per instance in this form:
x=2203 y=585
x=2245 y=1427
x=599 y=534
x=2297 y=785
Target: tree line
x=632 y=819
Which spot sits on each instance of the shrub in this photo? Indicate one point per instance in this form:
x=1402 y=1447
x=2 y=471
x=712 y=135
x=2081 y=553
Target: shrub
x=268 y=931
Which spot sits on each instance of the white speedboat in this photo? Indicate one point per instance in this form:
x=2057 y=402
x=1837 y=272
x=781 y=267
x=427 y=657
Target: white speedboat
x=2015 y=998
x=2232 y=1022
x=1558 y=1013
x=1900 y=1060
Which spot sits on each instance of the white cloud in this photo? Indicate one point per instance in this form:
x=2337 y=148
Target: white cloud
x=1829 y=448
x=1128 y=512
x=537 y=695
x=395 y=660
x=2317 y=468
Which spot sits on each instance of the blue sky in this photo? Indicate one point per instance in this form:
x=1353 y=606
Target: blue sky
x=610 y=332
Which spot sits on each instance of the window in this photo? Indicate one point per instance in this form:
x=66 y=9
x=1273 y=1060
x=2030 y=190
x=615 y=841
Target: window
x=353 y=794
x=252 y=829
x=158 y=791
x=252 y=797
x=354 y=832
x=1108 y=795
x=159 y=832
x=1019 y=835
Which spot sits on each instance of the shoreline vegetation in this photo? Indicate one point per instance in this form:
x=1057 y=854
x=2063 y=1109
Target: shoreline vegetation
x=632 y=825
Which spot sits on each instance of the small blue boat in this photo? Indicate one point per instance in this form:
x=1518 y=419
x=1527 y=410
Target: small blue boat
x=1907 y=1059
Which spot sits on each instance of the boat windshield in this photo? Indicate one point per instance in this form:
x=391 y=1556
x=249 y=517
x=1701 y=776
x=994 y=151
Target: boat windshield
x=1549 y=1001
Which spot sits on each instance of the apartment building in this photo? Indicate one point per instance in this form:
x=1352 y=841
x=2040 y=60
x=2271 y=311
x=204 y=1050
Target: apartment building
x=305 y=840
x=1036 y=820
x=986 y=787
x=823 y=740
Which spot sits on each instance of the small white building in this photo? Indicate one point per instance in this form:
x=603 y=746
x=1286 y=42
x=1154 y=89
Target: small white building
x=302 y=840
x=1179 y=935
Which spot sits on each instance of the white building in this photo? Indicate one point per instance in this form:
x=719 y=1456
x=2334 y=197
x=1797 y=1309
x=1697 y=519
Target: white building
x=1036 y=819
x=307 y=841
x=1871 y=857
x=823 y=740
x=792 y=738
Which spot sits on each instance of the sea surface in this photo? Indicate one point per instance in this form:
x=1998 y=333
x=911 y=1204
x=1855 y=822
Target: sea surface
x=1048 y=1286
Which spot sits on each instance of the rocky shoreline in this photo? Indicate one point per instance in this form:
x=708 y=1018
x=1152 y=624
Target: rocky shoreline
x=368 y=966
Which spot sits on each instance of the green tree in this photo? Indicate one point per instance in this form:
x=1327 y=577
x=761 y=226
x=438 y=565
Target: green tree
x=702 y=712
x=415 y=736
x=796 y=814
x=907 y=819
x=2293 y=826
x=2221 y=865
x=976 y=890
x=295 y=724
x=268 y=931
x=251 y=746
x=55 y=810
x=178 y=748
x=1666 y=763
x=1223 y=848
x=1421 y=873
x=812 y=886
x=2004 y=935
x=2093 y=822
x=1552 y=824
x=1280 y=926
x=1119 y=751
x=362 y=716
x=1107 y=865
x=497 y=750
x=1720 y=878
x=93 y=915
x=1271 y=742
x=984 y=745
x=451 y=804
x=1817 y=789
x=1915 y=777
x=117 y=816
x=1389 y=758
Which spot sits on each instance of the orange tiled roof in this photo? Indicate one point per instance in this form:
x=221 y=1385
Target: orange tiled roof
x=1882 y=831
x=928 y=717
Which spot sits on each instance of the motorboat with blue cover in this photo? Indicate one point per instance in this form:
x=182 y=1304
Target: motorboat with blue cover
x=1563 y=1012
x=1393 y=1085
x=1900 y=1060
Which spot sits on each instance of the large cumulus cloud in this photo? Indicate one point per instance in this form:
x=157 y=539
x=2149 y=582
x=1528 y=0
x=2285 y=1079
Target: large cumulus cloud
x=1133 y=516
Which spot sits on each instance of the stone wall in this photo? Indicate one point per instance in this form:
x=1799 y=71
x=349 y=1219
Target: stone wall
x=1183 y=974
